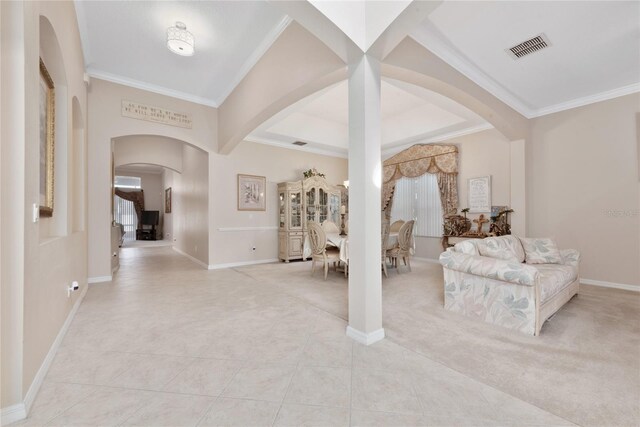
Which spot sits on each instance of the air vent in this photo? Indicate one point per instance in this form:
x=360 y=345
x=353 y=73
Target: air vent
x=299 y=143
x=529 y=46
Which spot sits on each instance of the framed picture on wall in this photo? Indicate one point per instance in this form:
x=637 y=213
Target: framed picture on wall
x=167 y=200
x=47 y=141
x=252 y=193
x=479 y=194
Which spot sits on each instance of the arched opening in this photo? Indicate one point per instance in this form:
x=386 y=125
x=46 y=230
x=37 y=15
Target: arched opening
x=51 y=55
x=172 y=177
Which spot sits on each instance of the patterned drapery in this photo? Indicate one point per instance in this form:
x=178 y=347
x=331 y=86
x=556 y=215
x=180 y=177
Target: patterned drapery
x=137 y=197
x=418 y=160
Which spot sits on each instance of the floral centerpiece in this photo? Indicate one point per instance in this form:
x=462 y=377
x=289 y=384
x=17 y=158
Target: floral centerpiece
x=312 y=172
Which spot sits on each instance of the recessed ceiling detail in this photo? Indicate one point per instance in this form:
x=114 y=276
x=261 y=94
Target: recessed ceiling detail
x=410 y=114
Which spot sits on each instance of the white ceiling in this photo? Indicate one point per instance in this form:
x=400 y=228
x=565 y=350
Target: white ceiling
x=125 y=41
x=594 y=52
x=409 y=114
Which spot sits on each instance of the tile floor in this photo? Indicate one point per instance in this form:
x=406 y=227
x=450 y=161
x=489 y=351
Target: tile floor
x=170 y=344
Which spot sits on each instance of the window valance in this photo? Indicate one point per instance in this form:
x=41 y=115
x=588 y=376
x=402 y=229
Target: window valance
x=415 y=161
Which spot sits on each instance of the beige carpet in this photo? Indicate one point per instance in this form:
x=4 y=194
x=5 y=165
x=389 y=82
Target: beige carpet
x=584 y=367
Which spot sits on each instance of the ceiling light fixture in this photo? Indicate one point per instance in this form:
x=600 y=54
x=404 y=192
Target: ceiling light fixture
x=180 y=41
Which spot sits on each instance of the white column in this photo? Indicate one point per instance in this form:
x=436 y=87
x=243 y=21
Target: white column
x=365 y=176
x=518 y=188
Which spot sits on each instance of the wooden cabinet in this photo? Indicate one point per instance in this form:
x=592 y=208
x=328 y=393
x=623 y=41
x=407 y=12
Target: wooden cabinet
x=312 y=199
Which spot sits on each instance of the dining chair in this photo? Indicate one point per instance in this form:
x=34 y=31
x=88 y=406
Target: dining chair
x=403 y=250
x=385 y=240
x=395 y=227
x=319 y=250
x=330 y=227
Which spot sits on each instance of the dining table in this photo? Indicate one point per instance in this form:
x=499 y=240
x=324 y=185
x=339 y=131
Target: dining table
x=342 y=243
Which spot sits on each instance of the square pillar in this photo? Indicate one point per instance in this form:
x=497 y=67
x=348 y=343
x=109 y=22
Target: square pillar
x=518 y=187
x=365 y=177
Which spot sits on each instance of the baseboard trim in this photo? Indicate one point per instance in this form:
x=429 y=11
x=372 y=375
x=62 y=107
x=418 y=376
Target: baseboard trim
x=196 y=260
x=241 y=263
x=99 y=279
x=604 y=284
x=12 y=413
x=431 y=260
x=20 y=411
x=366 y=339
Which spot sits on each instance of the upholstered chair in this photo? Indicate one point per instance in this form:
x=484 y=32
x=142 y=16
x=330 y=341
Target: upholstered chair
x=385 y=241
x=403 y=250
x=395 y=227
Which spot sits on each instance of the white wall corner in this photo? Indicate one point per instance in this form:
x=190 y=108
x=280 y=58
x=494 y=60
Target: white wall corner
x=363 y=338
x=242 y=263
x=99 y=279
x=601 y=283
x=194 y=259
x=12 y=413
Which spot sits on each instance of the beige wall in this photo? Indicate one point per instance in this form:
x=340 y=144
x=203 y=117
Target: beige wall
x=480 y=154
x=582 y=183
x=190 y=205
x=55 y=248
x=154 y=150
x=106 y=123
x=259 y=228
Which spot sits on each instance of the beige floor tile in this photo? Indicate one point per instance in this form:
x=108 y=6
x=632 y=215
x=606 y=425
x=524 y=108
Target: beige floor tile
x=327 y=352
x=55 y=398
x=320 y=386
x=384 y=391
x=109 y=407
x=264 y=382
x=152 y=372
x=89 y=367
x=205 y=377
x=278 y=349
x=311 y=416
x=168 y=409
x=387 y=419
x=240 y=412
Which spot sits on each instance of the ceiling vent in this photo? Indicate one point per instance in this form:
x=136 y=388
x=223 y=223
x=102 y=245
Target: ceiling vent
x=299 y=143
x=529 y=46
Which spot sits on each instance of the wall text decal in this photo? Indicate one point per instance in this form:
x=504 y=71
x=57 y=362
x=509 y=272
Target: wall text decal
x=135 y=110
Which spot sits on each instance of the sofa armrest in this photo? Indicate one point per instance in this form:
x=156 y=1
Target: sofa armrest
x=570 y=257
x=492 y=268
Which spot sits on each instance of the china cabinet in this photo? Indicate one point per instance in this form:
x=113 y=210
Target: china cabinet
x=312 y=199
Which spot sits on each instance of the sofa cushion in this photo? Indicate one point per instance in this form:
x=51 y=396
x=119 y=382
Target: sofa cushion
x=507 y=248
x=541 y=250
x=469 y=247
x=554 y=278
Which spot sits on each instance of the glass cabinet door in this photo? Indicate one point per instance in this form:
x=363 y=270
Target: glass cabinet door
x=296 y=209
x=323 y=205
x=281 y=209
x=334 y=208
x=311 y=204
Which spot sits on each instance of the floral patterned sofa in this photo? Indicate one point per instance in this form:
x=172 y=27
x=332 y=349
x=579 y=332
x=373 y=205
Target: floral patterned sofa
x=509 y=281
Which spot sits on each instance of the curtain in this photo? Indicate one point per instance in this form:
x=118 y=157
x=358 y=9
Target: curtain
x=137 y=197
x=417 y=160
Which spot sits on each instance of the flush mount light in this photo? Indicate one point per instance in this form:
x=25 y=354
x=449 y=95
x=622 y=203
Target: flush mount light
x=179 y=40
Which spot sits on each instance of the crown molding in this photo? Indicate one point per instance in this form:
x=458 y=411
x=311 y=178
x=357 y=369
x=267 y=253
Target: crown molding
x=257 y=54
x=458 y=61
x=343 y=154
x=591 y=99
x=125 y=81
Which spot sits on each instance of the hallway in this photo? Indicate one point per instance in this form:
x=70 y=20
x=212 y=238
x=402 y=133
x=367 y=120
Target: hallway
x=168 y=343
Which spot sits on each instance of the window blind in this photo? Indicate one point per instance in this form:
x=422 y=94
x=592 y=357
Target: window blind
x=419 y=199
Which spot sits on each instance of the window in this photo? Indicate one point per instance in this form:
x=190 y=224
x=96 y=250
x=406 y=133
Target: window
x=131 y=182
x=419 y=199
x=124 y=212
